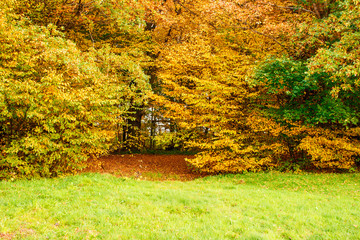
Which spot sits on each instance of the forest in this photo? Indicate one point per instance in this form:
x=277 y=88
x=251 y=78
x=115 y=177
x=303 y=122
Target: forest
x=249 y=85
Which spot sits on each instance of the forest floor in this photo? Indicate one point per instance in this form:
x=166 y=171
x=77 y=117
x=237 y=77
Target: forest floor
x=146 y=167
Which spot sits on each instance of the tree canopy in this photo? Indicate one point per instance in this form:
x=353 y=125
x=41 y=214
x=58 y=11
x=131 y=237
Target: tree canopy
x=249 y=85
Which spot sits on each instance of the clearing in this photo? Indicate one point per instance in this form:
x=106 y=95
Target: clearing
x=146 y=166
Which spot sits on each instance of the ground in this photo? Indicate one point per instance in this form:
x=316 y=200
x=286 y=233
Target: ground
x=145 y=166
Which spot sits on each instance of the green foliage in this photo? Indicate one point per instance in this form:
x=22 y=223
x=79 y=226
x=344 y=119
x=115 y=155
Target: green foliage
x=317 y=98
x=304 y=96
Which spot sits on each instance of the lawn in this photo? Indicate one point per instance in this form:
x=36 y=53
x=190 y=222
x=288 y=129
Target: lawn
x=248 y=206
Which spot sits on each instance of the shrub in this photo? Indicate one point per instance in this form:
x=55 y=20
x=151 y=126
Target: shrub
x=58 y=105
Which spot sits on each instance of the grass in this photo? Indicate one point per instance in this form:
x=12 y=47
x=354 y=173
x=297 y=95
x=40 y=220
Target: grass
x=157 y=176
x=250 y=206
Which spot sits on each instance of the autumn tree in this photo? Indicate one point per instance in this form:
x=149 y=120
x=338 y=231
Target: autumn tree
x=60 y=102
x=97 y=24
x=252 y=84
x=206 y=51
x=316 y=90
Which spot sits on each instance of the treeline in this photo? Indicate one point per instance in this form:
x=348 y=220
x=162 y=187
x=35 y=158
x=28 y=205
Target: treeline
x=250 y=85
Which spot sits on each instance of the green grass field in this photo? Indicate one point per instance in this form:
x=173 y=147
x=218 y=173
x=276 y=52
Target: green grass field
x=249 y=206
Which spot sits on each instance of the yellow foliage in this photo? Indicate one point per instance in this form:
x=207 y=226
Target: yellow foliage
x=331 y=150
x=206 y=51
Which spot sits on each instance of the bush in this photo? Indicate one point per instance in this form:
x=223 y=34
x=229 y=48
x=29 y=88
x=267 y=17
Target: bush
x=57 y=107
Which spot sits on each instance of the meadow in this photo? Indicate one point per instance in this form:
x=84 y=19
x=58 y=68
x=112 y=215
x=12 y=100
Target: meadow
x=247 y=206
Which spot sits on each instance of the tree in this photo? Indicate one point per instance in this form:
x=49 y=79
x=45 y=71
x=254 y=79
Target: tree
x=317 y=97
x=59 y=104
x=208 y=48
x=96 y=24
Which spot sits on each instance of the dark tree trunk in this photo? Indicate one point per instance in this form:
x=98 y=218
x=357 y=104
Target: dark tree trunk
x=131 y=129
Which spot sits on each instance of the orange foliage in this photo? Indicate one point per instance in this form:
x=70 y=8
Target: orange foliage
x=206 y=51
